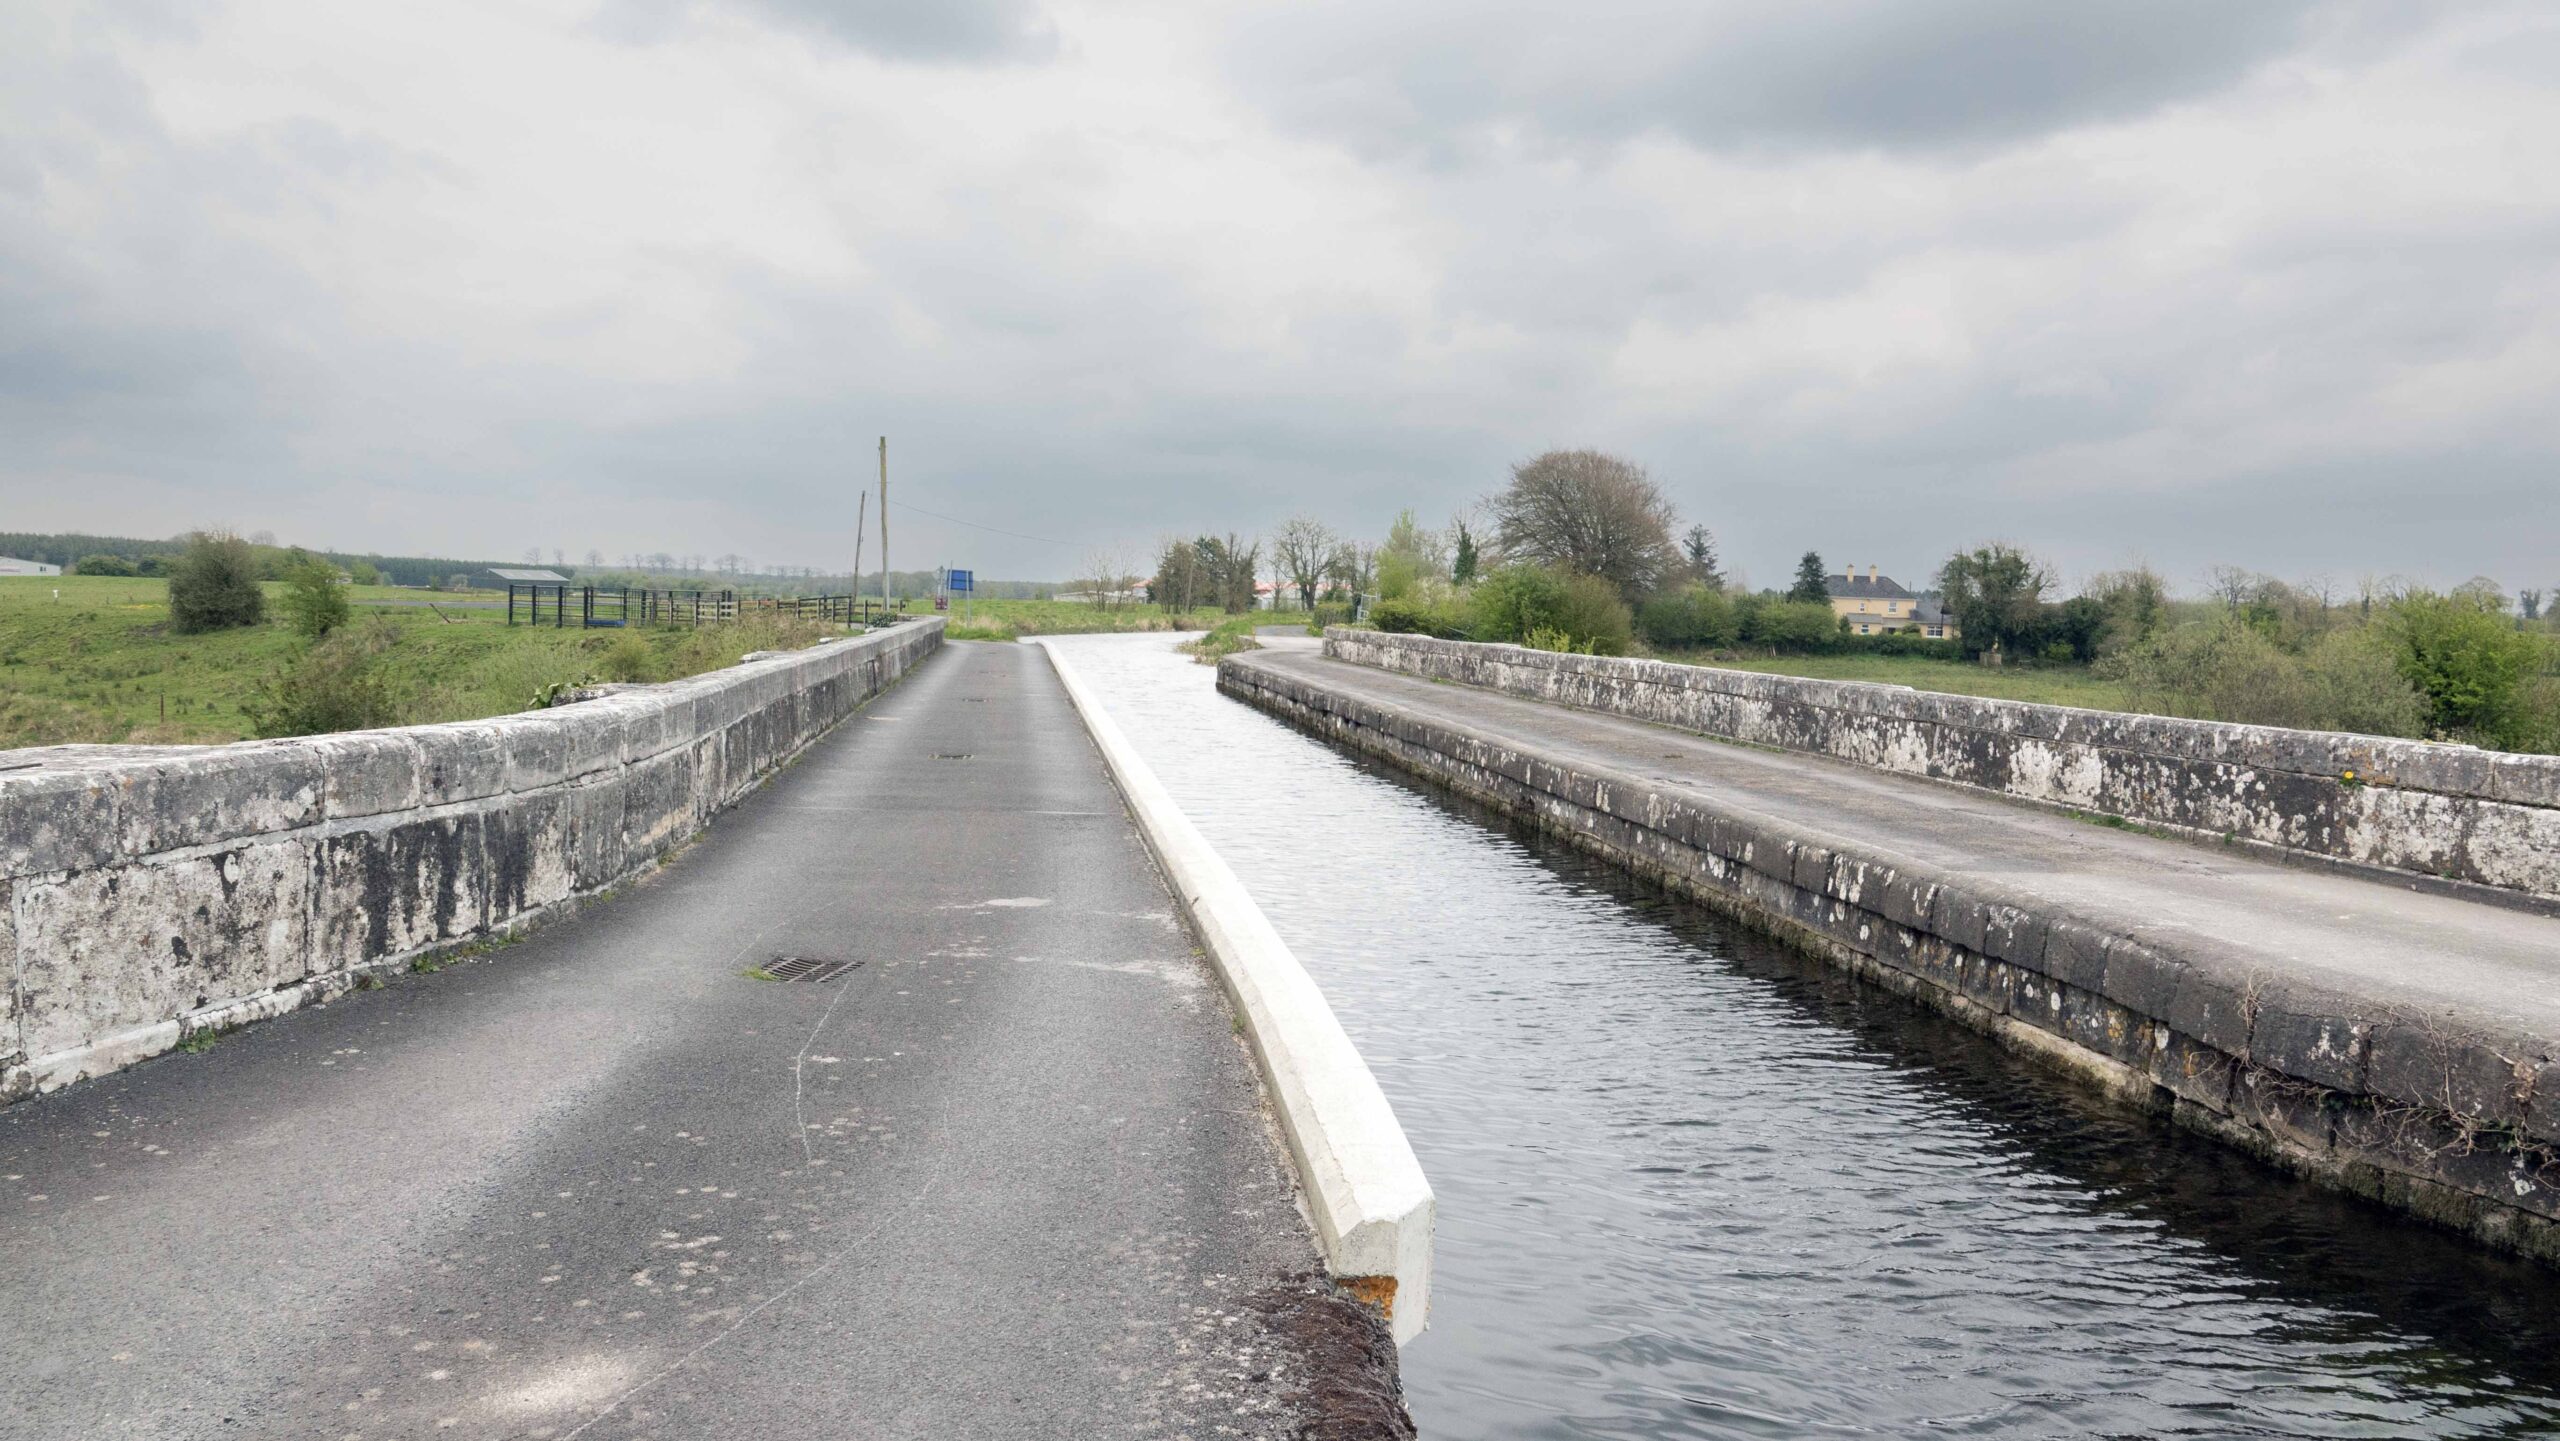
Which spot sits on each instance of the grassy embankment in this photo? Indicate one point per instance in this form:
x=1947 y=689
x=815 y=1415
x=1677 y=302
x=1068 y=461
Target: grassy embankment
x=1013 y=619
x=2045 y=684
x=103 y=664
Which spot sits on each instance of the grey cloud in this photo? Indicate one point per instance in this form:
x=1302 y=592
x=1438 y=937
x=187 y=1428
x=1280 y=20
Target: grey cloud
x=1757 y=75
x=922 y=30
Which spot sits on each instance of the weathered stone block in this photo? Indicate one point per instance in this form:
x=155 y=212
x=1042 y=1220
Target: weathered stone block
x=2139 y=978
x=2014 y=934
x=2191 y=1070
x=366 y=773
x=530 y=856
x=387 y=891
x=57 y=819
x=216 y=795
x=12 y=1043
x=2479 y=1078
x=657 y=803
x=2214 y=1007
x=2075 y=953
x=2295 y=1112
x=109 y=950
x=1959 y=916
x=2312 y=1034
x=596 y=829
x=463 y=762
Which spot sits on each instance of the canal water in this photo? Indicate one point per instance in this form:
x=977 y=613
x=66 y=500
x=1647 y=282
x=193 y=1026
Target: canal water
x=1694 y=1186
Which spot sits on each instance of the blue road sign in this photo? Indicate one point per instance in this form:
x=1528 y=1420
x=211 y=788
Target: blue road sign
x=962 y=580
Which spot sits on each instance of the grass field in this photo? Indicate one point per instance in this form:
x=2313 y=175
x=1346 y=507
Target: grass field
x=2048 y=685
x=1013 y=619
x=101 y=663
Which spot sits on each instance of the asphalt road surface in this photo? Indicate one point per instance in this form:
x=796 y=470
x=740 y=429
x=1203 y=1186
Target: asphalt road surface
x=1010 y=1176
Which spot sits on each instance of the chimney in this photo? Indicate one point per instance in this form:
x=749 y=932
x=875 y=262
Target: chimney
x=1849 y=573
x=1871 y=575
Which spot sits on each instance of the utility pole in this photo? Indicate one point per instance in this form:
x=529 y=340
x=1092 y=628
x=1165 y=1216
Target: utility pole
x=861 y=526
x=884 y=522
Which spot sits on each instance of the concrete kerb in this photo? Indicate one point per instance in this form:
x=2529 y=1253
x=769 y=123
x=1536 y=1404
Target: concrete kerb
x=1373 y=1211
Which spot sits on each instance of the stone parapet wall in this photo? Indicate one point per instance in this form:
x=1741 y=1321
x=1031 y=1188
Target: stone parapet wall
x=151 y=892
x=2453 y=1118
x=2447 y=812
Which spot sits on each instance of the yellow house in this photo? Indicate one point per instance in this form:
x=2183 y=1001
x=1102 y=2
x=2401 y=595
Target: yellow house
x=1875 y=604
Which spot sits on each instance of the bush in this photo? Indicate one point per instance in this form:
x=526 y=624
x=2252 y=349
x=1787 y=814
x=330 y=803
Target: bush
x=335 y=686
x=313 y=600
x=1695 y=617
x=2356 y=685
x=152 y=565
x=629 y=658
x=1518 y=600
x=2470 y=662
x=213 y=585
x=1414 y=617
x=2228 y=670
x=365 y=572
x=1902 y=642
x=1793 y=625
x=103 y=565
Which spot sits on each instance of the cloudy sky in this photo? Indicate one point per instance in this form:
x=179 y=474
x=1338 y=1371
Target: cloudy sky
x=2189 y=281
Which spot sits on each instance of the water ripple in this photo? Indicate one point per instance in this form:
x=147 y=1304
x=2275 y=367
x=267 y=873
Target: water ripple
x=1694 y=1186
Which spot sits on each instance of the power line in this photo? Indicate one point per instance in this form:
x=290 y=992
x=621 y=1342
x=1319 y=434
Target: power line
x=973 y=525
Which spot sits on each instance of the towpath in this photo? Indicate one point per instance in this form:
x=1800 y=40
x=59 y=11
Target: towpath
x=2382 y=944
x=1007 y=1177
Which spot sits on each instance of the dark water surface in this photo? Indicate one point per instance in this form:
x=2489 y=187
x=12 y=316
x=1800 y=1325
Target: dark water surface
x=1692 y=1185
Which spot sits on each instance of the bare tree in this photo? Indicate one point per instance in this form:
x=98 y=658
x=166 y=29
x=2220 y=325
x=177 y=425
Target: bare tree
x=1300 y=554
x=1354 y=567
x=1588 y=512
x=1106 y=576
x=595 y=559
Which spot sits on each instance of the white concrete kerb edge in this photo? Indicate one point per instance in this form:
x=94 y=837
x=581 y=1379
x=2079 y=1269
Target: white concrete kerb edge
x=1372 y=1209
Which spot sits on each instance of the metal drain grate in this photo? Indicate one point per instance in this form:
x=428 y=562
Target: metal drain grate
x=807 y=968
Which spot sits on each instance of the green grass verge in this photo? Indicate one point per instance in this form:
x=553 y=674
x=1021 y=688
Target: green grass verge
x=1013 y=619
x=94 y=659
x=2044 y=684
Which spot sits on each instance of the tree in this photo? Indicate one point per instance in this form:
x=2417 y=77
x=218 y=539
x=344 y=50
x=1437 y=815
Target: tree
x=595 y=559
x=1354 y=568
x=103 y=565
x=1178 y=583
x=2469 y=661
x=1301 y=549
x=312 y=598
x=213 y=584
x=1700 y=546
x=1410 y=555
x=1462 y=569
x=1995 y=593
x=1528 y=604
x=365 y=572
x=2530 y=601
x=1236 y=578
x=1812 y=586
x=2135 y=603
x=1590 y=513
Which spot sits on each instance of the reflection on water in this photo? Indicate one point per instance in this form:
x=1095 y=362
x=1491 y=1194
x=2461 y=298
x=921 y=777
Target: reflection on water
x=1692 y=1185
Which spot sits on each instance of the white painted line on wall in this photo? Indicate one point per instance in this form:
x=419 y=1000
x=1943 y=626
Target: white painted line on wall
x=1372 y=1209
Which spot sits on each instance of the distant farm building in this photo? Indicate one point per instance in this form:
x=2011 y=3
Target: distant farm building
x=11 y=565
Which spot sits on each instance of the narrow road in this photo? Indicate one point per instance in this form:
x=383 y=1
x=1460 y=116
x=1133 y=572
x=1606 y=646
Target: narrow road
x=1008 y=1177
x=2365 y=936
